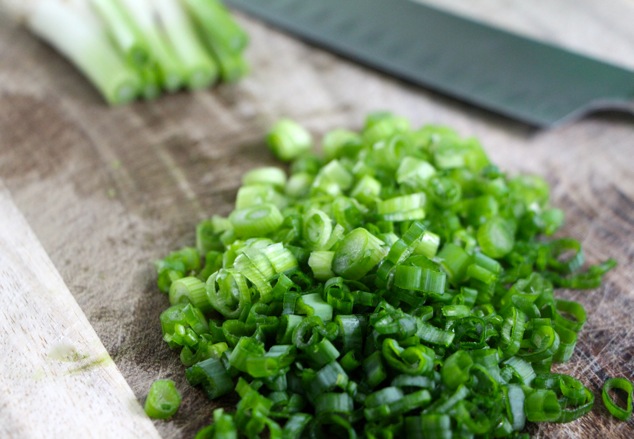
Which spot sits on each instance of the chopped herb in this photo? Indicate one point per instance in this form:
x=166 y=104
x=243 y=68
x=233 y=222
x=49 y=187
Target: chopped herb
x=404 y=285
x=163 y=400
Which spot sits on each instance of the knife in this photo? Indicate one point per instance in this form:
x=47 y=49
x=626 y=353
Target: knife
x=533 y=82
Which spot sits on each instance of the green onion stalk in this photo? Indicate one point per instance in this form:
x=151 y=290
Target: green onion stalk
x=131 y=49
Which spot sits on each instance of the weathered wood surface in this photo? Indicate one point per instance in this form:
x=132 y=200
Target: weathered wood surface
x=108 y=190
x=53 y=364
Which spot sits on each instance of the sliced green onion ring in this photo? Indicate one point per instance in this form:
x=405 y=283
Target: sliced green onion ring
x=613 y=407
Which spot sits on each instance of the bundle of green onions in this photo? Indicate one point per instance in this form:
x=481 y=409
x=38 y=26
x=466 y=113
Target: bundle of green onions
x=140 y=48
x=401 y=285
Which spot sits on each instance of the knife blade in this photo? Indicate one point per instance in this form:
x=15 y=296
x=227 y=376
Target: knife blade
x=527 y=80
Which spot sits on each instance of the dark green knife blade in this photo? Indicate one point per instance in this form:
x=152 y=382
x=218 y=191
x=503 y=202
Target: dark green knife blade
x=508 y=74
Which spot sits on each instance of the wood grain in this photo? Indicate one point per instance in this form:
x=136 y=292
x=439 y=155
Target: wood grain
x=57 y=377
x=107 y=190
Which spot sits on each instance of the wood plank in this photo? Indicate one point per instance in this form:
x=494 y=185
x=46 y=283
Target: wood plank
x=58 y=380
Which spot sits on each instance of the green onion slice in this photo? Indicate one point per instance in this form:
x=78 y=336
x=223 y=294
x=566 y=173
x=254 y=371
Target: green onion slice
x=622 y=413
x=163 y=400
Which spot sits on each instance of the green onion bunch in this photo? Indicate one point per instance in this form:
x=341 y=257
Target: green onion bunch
x=399 y=285
x=133 y=49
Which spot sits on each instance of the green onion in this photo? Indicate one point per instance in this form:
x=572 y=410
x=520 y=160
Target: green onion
x=271 y=363
x=139 y=48
x=296 y=425
x=339 y=403
x=317 y=229
x=200 y=69
x=190 y=290
x=412 y=360
x=141 y=14
x=162 y=400
x=436 y=426
x=403 y=286
x=341 y=143
x=496 y=237
x=420 y=279
x=324 y=380
x=515 y=400
x=256 y=220
x=351 y=330
x=223 y=427
x=333 y=179
x=267 y=175
x=212 y=376
x=624 y=414
x=320 y=262
x=218 y=24
x=381 y=126
x=314 y=305
x=288 y=140
x=123 y=32
x=542 y=406
x=299 y=184
x=227 y=292
x=404 y=208
x=444 y=191
x=223 y=37
x=374 y=370
x=512 y=332
x=321 y=353
x=455 y=369
x=81 y=38
x=357 y=254
x=454 y=261
x=254 y=195
x=572 y=309
x=367 y=190
x=414 y=173
x=428 y=245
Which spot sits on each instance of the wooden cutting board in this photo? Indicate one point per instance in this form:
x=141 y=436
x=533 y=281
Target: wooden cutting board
x=108 y=190
x=53 y=364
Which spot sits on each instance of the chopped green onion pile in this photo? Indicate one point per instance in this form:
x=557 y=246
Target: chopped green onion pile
x=140 y=48
x=402 y=285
